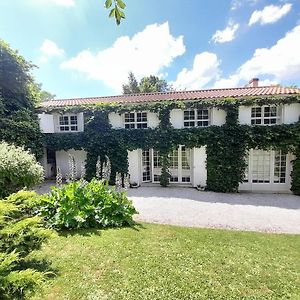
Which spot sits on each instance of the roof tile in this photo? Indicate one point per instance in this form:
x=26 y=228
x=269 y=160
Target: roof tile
x=182 y=95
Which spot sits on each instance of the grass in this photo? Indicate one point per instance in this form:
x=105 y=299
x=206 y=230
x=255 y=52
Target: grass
x=169 y=262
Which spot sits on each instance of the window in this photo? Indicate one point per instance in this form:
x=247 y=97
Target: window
x=146 y=165
x=68 y=123
x=280 y=167
x=196 y=118
x=261 y=162
x=266 y=167
x=136 y=120
x=179 y=168
x=264 y=115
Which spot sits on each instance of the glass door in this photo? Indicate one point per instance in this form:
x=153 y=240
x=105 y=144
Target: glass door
x=146 y=166
x=180 y=165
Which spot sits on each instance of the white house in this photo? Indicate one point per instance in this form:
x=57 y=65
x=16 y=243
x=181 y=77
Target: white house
x=266 y=171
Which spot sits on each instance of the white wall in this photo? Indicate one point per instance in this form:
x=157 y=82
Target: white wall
x=46 y=123
x=153 y=120
x=218 y=116
x=291 y=113
x=62 y=161
x=245 y=115
x=134 y=163
x=116 y=120
x=176 y=118
x=199 y=166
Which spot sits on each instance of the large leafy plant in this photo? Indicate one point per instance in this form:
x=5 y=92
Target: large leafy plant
x=82 y=204
x=21 y=232
x=18 y=169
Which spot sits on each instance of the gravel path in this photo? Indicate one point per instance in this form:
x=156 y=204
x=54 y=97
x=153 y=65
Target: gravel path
x=278 y=213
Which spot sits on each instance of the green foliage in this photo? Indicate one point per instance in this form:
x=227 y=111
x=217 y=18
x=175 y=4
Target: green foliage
x=148 y=84
x=19 y=95
x=18 y=169
x=295 y=188
x=82 y=204
x=227 y=145
x=21 y=232
x=117 y=11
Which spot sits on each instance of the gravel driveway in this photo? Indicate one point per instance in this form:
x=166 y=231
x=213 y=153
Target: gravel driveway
x=278 y=213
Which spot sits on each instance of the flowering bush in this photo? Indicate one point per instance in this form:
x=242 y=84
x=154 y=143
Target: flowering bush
x=18 y=169
x=82 y=204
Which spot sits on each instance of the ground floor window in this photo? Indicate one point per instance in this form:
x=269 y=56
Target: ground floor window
x=266 y=167
x=180 y=165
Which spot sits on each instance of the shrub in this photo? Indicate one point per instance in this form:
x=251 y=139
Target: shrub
x=21 y=232
x=83 y=204
x=18 y=169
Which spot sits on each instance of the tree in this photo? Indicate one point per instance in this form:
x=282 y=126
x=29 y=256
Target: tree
x=19 y=95
x=148 y=84
x=132 y=87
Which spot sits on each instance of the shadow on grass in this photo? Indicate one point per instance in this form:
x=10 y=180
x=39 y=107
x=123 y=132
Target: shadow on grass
x=89 y=232
x=42 y=265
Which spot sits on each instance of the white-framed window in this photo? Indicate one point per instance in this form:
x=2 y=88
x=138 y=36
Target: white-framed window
x=180 y=165
x=266 y=167
x=196 y=118
x=265 y=115
x=136 y=120
x=68 y=123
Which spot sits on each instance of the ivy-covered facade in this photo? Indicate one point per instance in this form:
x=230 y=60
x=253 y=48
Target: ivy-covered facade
x=224 y=144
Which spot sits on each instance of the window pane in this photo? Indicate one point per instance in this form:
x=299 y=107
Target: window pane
x=189 y=124
x=189 y=115
x=261 y=166
x=202 y=114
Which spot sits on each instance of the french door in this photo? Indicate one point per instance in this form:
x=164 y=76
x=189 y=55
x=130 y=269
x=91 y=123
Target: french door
x=180 y=165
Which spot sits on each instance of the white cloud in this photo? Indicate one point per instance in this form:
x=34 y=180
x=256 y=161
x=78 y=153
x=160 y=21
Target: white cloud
x=226 y=35
x=235 y=4
x=147 y=53
x=204 y=70
x=280 y=62
x=49 y=49
x=270 y=14
x=66 y=3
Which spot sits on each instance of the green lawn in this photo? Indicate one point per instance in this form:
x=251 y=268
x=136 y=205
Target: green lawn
x=168 y=262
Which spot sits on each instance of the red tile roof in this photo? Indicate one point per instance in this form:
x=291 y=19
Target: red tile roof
x=183 y=95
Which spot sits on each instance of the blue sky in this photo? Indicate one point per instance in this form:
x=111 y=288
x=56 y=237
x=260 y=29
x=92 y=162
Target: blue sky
x=192 y=44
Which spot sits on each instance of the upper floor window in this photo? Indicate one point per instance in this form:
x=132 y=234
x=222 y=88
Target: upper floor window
x=68 y=123
x=196 y=118
x=265 y=115
x=135 y=120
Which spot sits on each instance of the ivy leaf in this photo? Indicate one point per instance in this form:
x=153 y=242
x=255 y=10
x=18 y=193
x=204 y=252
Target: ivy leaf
x=108 y=3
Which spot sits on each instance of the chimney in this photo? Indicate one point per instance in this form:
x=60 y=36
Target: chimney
x=253 y=82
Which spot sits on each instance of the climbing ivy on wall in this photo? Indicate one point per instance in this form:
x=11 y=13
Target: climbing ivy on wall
x=226 y=145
